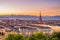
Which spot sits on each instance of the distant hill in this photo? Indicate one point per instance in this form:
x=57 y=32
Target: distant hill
x=27 y=17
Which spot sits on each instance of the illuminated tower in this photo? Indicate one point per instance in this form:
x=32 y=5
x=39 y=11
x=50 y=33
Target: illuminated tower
x=40 y=18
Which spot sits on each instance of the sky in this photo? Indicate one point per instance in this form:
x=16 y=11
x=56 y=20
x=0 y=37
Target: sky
x=30 y=7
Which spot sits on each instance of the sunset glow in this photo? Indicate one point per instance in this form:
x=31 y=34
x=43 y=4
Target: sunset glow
x=30 y=7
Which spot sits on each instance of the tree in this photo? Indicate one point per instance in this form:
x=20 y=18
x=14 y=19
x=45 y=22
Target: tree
x=37 y=36
x=14 y=37
x=1 y=34
x=54 y=36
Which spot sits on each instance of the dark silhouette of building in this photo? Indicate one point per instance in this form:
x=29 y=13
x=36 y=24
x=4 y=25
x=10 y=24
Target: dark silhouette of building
x=40 y=18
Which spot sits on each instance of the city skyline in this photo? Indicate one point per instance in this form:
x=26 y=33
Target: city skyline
x=30 y=7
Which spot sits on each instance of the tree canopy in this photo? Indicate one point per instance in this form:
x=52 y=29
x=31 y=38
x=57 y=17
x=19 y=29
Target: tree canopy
x=35 y=36
x=14 y=37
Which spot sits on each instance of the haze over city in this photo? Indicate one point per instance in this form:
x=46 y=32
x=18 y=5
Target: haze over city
x=30 y=7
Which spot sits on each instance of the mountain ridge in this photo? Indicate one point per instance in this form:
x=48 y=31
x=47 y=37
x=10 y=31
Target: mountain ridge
x=24 y=17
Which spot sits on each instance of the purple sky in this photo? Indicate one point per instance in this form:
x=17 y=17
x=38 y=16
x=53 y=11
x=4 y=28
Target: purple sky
x=30 y=5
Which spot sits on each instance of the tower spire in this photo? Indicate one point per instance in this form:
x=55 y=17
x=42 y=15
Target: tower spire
x=40 y=18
